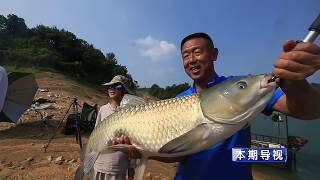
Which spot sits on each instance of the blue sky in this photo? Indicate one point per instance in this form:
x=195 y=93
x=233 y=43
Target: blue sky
x=145 y=35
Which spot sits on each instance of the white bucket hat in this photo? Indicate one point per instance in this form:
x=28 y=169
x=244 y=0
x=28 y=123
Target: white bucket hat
x=122 y=80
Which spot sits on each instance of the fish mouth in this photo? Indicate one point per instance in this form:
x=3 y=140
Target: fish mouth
x=266 y=84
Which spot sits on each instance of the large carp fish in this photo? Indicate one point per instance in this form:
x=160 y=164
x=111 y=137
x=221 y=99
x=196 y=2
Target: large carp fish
x=181 y=126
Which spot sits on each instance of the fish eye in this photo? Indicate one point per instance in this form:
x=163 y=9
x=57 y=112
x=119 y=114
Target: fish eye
x=241 y=84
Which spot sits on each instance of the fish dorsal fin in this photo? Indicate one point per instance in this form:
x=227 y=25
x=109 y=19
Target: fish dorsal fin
x=89 y=161
x=189 y=140
x=141 y=166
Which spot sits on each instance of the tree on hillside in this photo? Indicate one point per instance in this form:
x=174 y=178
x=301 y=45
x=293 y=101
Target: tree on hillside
x=111 y=59
x=16 y=26
x=169 y=91
x=10 y=28
x=3 y=23
x=155 y=90
x=13 y=25
x=55 y=48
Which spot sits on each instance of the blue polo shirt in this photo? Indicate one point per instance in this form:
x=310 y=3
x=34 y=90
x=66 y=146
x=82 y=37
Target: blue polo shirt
x=216 y=162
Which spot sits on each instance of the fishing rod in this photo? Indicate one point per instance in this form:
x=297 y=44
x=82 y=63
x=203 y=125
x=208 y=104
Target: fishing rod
x=314 y=31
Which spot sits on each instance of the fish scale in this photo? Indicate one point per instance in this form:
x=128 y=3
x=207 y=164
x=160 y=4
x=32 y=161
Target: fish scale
x=147 y=130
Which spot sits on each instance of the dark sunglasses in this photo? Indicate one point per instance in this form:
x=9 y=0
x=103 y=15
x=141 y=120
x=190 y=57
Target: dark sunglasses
x=115 y=86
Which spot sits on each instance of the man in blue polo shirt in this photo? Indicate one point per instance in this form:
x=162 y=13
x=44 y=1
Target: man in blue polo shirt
x=295 y=98
x=198 y=53
x=216 y=161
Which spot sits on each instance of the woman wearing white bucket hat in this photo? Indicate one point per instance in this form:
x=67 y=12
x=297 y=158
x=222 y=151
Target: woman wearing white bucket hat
x=119 y=79
x=114 y=166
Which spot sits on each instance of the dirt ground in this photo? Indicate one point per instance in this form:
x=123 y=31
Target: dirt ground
x=22 y=146
x=23 y=155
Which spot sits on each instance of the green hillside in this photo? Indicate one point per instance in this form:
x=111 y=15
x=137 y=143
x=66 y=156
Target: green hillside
x=55 y=49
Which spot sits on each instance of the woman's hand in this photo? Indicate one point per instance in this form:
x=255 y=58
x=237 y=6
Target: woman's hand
x=133 y=153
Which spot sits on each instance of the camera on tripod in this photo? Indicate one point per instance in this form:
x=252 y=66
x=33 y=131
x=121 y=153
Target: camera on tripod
x=72 y=125
x=76 y=121
x=74 y=101
x=80 y=121
x=73 y=118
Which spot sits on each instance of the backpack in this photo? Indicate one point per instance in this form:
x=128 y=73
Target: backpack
x=86 y=119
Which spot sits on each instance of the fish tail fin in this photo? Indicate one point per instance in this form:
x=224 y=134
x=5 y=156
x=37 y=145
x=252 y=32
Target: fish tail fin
x=89 y=160
x=83 y=152
x=79 y=172
x=141 y=166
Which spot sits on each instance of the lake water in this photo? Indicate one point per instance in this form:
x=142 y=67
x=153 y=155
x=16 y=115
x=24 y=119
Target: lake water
x=308 y=157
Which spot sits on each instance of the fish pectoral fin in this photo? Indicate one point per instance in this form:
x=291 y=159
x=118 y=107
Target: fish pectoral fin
x=189 y=140
x=89 y=161
x=141 y=166
x=120 y=147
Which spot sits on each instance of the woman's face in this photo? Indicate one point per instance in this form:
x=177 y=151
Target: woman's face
x=115 y=91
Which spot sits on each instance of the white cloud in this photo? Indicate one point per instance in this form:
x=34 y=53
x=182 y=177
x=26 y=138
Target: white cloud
x=161 y=72
x=155 y=49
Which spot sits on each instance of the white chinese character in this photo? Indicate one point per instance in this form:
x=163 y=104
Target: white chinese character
x=238 y=154
x=265 y=154
x=253 y=154
x=277 y=155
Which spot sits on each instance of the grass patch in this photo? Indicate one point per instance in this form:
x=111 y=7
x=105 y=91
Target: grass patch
x=38 y=70
x=13 y=68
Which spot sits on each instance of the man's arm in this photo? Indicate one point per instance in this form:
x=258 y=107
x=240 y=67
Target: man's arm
x=304 y=104
x=295 y=64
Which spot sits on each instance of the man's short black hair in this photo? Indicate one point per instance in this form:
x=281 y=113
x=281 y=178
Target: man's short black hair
x=195 y=35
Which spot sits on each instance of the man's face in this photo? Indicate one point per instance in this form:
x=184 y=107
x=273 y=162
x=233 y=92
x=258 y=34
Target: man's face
x=198 y=57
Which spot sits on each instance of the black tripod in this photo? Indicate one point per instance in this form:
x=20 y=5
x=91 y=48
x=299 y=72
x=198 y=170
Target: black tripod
x=74 y=111
x=76 y=117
